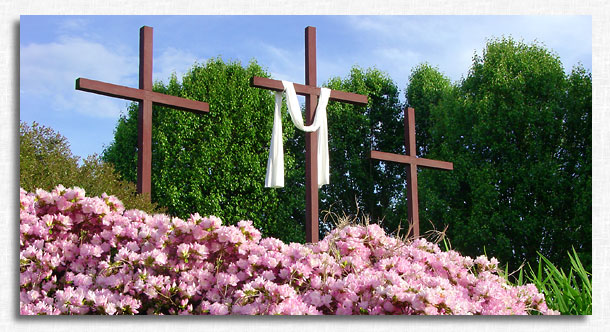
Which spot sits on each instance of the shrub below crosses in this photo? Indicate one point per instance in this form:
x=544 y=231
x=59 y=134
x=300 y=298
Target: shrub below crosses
x=87 y=255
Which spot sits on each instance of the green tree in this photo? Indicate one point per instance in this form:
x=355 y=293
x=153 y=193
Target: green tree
x=576 y=159
x=45 y=161
x=215 y=163
x=516 y=130
x=426 y=88
x=357 y=182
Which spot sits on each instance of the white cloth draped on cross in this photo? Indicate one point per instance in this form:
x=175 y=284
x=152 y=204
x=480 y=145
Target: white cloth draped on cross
x=275 y=163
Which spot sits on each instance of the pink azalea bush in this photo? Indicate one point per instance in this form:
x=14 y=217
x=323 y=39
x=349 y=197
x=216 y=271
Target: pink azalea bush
x=87 y=255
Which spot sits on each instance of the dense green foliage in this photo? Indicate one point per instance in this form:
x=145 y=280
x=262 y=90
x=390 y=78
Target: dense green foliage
x=45 y=161
x=427 y=86
x=215 y=163
x=357 y=182
x=518 y=130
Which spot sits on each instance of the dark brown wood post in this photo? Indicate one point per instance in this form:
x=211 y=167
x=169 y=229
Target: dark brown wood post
x=145 y=113
x=311 y=141
x=410 y=149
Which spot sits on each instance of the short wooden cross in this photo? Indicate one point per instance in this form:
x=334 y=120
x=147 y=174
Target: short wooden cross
x=311 y=93
x=413 y=161
x=145 y=98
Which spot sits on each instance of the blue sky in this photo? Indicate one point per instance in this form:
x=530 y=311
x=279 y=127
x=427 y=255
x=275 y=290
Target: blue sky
x=55 y=50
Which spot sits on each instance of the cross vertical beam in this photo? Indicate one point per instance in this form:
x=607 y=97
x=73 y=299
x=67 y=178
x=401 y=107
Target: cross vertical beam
x=311 y=92
x=311 y=141
x=410 y=150
x=145 y=113
x=145 y=96
x=413 y=161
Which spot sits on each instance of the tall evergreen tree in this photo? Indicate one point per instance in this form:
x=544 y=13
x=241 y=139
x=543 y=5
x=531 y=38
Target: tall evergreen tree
x=576 y=159
x=426 y=89
x=516 y=129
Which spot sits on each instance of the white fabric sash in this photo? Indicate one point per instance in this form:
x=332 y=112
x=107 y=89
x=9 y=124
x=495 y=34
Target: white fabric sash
x=275 y=163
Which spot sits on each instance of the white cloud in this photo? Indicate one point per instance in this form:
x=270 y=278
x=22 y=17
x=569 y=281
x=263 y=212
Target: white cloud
x=284 y=64
x=382 y=25
x=72 y=24
x=76 y=56
x=49 y=71
x=171 y=61
x=404 y=30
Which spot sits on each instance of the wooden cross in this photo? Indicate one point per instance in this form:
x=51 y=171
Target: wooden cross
x=413 y=161
x=311 y=92
x=145 y=98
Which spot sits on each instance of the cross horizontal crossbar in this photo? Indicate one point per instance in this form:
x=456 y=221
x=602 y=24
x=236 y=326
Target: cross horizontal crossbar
x=276 y=85
x=423 y=162
x=123 y=92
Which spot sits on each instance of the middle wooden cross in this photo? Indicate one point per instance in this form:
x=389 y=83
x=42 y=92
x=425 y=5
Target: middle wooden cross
x=311 y=93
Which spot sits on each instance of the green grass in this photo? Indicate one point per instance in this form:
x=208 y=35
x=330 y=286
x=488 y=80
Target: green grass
x=569 y=294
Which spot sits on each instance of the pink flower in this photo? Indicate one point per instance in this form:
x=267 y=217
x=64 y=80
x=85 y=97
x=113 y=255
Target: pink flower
x=74 y=194
x=84 y=255
x=183 y=250
x=224 y=279
x=159 y=256
x=218 y=309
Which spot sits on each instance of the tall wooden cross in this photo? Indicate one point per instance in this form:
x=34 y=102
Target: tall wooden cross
x=413 y=161
x=145 y=98
x=311 y=93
